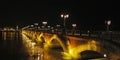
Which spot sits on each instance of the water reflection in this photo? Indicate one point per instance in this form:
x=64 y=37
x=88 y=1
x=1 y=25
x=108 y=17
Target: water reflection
x=4 y=35
x=11 y=47
x=10 y=35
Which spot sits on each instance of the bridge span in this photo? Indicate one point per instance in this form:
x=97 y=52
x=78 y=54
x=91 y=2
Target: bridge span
x=72 y=46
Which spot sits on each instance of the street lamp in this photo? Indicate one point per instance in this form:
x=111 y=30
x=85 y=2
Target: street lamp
x=31 y=26
x=48 y=27
x=64 y=16
x=74 y=25
x=39 y=27
x=36 y=25
x=42 y=27
x=44 y=23
x=108 y=24
x=58 y=28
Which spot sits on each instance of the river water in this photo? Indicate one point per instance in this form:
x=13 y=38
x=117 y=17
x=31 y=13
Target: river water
x=11 y=46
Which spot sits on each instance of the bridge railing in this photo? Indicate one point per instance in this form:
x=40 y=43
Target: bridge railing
x=108 y=35
x=104 y=35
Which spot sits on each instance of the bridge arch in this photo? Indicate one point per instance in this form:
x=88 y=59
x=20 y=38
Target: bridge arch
x=57 y=40
x=41 y=38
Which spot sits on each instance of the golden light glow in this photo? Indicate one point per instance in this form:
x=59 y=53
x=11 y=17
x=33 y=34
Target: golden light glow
x=4 y=35
x=75 y=51
x=55 y=37
x=74 y=47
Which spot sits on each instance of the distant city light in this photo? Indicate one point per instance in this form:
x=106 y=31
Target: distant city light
x=109 y=22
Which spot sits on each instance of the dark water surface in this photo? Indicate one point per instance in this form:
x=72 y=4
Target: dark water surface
x=11 y=46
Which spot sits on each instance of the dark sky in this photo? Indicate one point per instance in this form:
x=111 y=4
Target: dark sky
x=87 y=14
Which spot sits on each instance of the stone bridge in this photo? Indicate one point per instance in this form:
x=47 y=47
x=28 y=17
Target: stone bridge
x=72 y=46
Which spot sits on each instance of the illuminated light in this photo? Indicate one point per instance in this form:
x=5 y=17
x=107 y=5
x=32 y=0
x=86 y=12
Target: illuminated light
x=109 y=22
x=4 y=35
x=92 y=44
x=55 y=37
x=66 y=55
x=71 y=51
x=62 y=15
x=11 y=35
x=35 y=23
x=49 y=27
x=44 y=23
x=105 y=55
x=38 y=58
x=75 y=51
x=67 y=15
x=93 y=41
x=74 y=25
x=58 y=25
x=33 y=44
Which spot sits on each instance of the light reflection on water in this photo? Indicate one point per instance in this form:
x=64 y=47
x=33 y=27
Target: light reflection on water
x=11 y=47
x=10 y=35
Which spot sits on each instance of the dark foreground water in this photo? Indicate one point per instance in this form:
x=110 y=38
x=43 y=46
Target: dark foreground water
x=11 y=46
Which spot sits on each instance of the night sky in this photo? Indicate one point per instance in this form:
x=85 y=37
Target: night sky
x=88 y=15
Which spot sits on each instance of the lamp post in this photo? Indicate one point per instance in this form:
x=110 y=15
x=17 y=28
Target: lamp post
x=36 y=25
x=74 y=25
x=58 y=28
x=108 y=23
x=44 y=23
x=64 y=16
x=31 y=26
x=48 y=28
